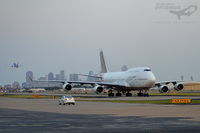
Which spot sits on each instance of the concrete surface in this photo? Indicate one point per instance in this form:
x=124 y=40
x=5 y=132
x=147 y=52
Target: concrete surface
x=45 y=115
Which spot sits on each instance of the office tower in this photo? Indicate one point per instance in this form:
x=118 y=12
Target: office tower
x=73 y=77
x=62 y=75
x=50 y=76
x=29 y=76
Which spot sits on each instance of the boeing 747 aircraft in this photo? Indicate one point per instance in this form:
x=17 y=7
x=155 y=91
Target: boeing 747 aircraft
x=139 y=79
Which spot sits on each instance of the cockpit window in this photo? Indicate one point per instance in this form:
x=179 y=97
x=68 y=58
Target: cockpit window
x=147 y=70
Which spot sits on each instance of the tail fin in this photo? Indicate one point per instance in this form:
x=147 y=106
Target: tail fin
x=103 y=64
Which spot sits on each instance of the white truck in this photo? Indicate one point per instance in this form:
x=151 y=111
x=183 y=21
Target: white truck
x=66 y=100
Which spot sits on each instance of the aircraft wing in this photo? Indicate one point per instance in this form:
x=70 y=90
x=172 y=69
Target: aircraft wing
x=109 y=85
x=157 y=84
x=175 y=82
x=50 y=81
x=94 y=76
x=55 y=81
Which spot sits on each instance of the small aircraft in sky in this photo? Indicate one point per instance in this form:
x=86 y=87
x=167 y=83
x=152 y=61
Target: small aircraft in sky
x=15 y=65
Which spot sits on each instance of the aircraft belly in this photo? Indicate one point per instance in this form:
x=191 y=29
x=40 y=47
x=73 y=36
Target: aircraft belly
x=140 y=84
x=136 y=88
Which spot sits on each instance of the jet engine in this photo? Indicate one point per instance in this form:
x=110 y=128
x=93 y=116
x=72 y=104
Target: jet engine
x=67 y=87
x=98 y=89
x=163 y=89
x=178 y=86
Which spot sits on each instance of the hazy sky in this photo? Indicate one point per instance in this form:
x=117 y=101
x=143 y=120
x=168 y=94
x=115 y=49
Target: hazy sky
x=50 y=35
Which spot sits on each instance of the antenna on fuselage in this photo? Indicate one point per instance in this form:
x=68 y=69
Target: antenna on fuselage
x=103 y=64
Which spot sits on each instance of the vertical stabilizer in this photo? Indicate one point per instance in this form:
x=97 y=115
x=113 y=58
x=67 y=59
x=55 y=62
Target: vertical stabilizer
x=103 y=64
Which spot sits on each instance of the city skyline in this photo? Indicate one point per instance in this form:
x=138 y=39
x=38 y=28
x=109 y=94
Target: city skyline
x=33 y=82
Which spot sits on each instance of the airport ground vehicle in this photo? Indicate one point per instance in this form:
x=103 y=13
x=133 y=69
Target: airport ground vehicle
x=66 y=100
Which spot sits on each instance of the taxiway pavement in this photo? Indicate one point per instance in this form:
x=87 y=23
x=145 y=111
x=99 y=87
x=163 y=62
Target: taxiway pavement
x=45 y=115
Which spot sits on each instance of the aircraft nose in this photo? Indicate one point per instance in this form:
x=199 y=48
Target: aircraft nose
x=151 y=80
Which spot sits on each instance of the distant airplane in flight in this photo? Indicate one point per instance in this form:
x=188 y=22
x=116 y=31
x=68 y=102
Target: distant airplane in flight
x=15 y=65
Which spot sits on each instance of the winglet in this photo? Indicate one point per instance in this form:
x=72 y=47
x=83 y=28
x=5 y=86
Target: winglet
x=103 y=64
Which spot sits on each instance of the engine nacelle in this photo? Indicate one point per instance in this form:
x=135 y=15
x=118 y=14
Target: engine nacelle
x=178 y=86
x=98 y=89
x=67 y=87
x=163 y=89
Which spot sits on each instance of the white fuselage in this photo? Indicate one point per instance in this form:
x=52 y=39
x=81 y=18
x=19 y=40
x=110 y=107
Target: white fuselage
x=136 y=78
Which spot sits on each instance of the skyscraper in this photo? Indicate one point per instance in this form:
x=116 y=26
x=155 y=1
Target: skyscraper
x=16 y=85
x=62 y=75
x=57 y=77
x=73 y=77
x=50 y=76
x=29 y=76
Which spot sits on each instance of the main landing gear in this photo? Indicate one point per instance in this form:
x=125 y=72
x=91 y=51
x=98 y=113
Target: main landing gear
x=127 y=94
x=118 y=94
x=110 y=93
x=146 y=94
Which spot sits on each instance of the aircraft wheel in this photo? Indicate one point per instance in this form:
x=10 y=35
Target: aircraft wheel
x=111 y=94
x=140 y=94
x=118 y=94
x=128 y=94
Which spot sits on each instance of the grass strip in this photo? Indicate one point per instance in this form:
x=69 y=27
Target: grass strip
x=139 y=101
x=176 y=94
x=113 y=101
x=29 y=96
